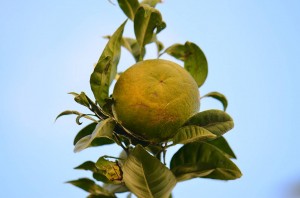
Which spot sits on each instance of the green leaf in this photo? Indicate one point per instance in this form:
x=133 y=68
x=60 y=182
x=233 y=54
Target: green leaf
x=73 y=93
x=218 y=96
x=200 y=159
x=103 y=133
x=194 y=60
x=82 y=99
x=159 y=45
x=111 y=170
x=79 y=115
x=192 y=133
x=106 y=68
x=133 y=47
x=151 y=3
x=68 y=112
x=129 y=7
x=146 y=176
x=177 y=51
x=99 y=176
x=215 y=121
x=87 y=130
x=100 y=196
x=196 y=63
x=146 y=21
x=88 y=165
x=91 y=187
x=223 y=145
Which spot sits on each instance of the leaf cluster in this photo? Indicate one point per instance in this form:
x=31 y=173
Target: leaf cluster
x=141 y=168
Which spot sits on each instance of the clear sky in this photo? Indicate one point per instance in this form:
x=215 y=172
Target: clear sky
x=48 y=48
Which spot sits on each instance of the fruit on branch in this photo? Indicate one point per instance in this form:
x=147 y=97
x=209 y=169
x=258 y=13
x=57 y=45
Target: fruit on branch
x=153 y=98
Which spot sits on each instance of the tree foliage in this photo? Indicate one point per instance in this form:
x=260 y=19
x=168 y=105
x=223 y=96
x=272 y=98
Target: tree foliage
x=141 y=168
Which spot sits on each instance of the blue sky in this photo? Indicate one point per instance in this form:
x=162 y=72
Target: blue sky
x=48 y=48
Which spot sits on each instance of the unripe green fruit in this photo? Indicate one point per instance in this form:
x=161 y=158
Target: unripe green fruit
x=153 y=98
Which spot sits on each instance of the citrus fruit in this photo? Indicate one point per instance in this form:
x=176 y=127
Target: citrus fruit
x=153 y=98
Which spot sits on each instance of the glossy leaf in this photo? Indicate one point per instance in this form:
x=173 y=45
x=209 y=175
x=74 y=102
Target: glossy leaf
x=91 y=187
x=146 y=176
x=200 y=159
x=146 y=21
x=192 y=133
x=218 y=96
x=103 y=132
x=215 y=121
x=194 y=60
x=129 y=7
x=151 y=3
x=106 y=68
x=223 y=145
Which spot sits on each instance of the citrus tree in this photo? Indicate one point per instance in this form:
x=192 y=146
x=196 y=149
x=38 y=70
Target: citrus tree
x=155 y=105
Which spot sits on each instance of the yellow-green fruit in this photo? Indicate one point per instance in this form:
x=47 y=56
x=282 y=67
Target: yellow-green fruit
x=153 y=98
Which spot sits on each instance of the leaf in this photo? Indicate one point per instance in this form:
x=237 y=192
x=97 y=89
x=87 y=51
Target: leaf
x=151 y=3
x=88 y=165
x=115 y=188
x=192 y=133
x=87 y=130
x=73 y=93
x=129 y=7
x=82 y=99
x=106 y=68
x=91 y=187
x=146 y=20
x=177 y=51
x=102 y=132
x=100 y=196
x=133 y=47
x=218 y=96
x=200 y=159
x=196 y=63
x=84 y=116
x=223 y=145
x=111 y=170
x=79 y=115
x=194 y=60
x=159 y=45
x=68 y=112
x=146 y=176
x=215 y=121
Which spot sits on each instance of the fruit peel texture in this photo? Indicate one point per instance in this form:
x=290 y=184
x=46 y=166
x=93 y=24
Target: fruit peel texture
x=153 y=98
